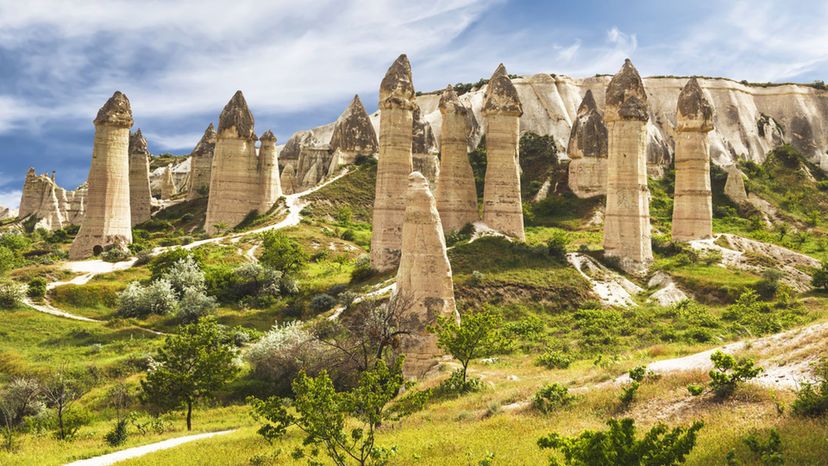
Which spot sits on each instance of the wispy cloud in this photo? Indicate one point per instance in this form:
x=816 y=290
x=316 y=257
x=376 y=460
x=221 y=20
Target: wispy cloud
x=10 y=199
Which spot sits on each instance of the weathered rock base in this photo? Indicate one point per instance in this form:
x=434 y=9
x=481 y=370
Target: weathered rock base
x=692 y=203
x=502 y=206
x=588 y=177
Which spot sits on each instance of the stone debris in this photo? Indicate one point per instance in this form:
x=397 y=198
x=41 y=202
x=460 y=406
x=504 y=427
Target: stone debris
x=270 y=184
x=627 y=216
x=588 y=151
x=107 y=221
x=424 y=280
x=353 y=135
x=140 y=196
x=502 y=206
x=396 y=103
x=693 y=201
x=612 y=288
x=456 y=194
x=201 y=164
x=168 y=187
x=667 y=293
x=735 y=185
x=424 y=150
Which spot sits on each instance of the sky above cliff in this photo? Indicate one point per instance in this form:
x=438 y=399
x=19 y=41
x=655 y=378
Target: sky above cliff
x=300 y=63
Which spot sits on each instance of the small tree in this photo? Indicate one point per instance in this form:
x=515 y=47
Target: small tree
x=812 y=398
x=17 y=400
x=190 y=366
x=728 y=372
x=820 y=278
x=282 y=253
x=661 y=446
x=323 y=414
x=61 y=391
x=475 y=336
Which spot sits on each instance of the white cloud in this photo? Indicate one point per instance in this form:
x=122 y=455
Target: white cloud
x=173 y=141
x=10 y=199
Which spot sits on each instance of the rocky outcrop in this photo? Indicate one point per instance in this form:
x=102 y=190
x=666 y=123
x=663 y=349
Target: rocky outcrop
x=424 y=150
x=168 y=187
x=587 y=150
x=502 y=207
x=7 y=213
x=312 y=166
x=269 y=184
x=353 y=134
x=288 y=180
x=41 y=201
x=627 y=215
x=234 y=178
x=140 y=196
x=693 y=203
x=396 y=103
x=201 y=163
x=456 y=194
x=107 y=221
x=424 y=284
x=735 y=185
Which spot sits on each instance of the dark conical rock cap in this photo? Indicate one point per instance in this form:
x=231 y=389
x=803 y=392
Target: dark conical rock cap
x=588 y=104
x=237 y=115
x=356 y=106
x=501 y=95
x=268 y=136
x=138 y=143
x=207 y=143
x=694 y=110
x=397 y=87
x=449 y=102
x=353 y=130
x=115 y=112
x=626 y=97
x=589 y=135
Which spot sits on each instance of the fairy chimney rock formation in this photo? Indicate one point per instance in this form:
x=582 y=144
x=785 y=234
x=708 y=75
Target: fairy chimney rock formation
x=627 y=216
x=139 y=183
x=396 y=103
x=692 y=205
x=588 y=151
x=288 y=180
x=424 y=283
x=234 y=180
x=41 y=200
x=201 y=163
x=456 y=194
x=424 y=149
x=353 y=134
x=502 y=207
x=735 y=185
x=312 y=166
x=168 y=187
x=107 y=221
x=269 y=182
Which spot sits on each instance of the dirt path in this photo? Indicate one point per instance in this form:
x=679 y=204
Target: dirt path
x=112 y=458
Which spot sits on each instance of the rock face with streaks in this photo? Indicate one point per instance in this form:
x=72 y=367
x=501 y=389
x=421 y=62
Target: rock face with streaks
x=107 y=221
x=312 y=166
x=456 y=194
x=424 y=284
x=139 y=183
x=288 y=180
x=735 y=185
x=588 y=151
x=41 y=200
x=353 y=134
x=168 y=187
x=233 y=177
x=424 y=150
x=502 y=207
x=201 y=164
x=396 y=103
x=627 y=216
x=269 y=182
x=693 y=203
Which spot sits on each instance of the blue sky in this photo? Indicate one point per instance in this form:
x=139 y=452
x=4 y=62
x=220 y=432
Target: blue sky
x=299 y=63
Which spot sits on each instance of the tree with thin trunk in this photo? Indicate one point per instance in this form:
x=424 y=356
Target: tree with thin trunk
x=61 y=391
x=190 y=366
x=477 y=335
x=17 y=401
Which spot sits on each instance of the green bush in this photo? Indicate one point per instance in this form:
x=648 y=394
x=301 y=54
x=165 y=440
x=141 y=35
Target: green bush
x=661 y=446
x=695 y=389
x=769 y=451
x=628 y=392
x=557 y=245
x=11 y=295
x=282 y=253
x=551 y=397
x=458 y=383
x=91 y=295
x=322 y=302
x=554 y=360
x=115 y=254
x=163 y=262
x=812 y=398
x=728 y=373
x=140 y=301
x=118 y=435
x=37 y=288
x=820 y=278
x=362 y=269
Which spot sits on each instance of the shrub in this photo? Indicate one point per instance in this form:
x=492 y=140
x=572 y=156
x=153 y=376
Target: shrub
x=322 y=302
x=820 y=278
x=282 y=253
x=362 y=269
x=768 y=451
x=554 y=360
x=185 y=274
x=283 y=352
x=249 y=284
x=11 y=295
x=348 y=235
x=628 y=392
x=812 y=398
x=37 y=288
x=556 y=246
x=115 y=254
x=140 y=301
x=142 y=258
x=661 y=446
x=551 y=397
x=695 y=389
x=458 y=383
x=163 y=262
x=118 y=435
x=477 y=335
x=194 y=305
x=728 y=373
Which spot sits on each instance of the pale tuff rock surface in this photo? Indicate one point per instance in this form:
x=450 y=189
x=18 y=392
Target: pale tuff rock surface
x=313 y=165
x=396 y=102
x=270 y=185
x=139 y=185
x=107 y=221
x=735 y=185
x=201 y=163
x=502 y=207
x=588 y=151
x=627 y=216
x=353 y=134
x=287 y=180
x=234 y=190
x=456 y=194
x=168 y=187
x=40 y=200
x=424 y=150
x=693 y=203
x=6 y=213
x=424 y=276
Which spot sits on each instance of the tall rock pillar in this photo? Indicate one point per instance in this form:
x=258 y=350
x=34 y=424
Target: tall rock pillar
x=201 y=163
x=168 y=187
x=233 y=177
x=108 y=219
x=588 y=151
x=627 y=217
x=424 y=287
x=502 y=206
x=139 y=184
x=269 y=184
x=396 y=103
x=456 y=194
x=693 y=205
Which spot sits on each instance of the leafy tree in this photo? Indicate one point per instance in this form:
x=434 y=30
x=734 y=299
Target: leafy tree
x=728 y=372
x=190 y=366
x=557 y=245
x=636 y=377
x=552 y=396
x=477 y=335
x=324 y=415
x=61 y=391
x=661 y=446
x=17 y=400
x=820 y=278
x=282 y=253
x=37 y=288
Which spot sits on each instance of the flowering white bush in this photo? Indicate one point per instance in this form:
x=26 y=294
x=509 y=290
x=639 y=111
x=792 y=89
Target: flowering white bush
x=285 y=350
x=195 y=304
x=139 y=301
x=184 y=274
